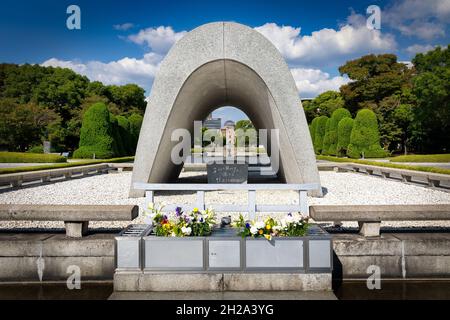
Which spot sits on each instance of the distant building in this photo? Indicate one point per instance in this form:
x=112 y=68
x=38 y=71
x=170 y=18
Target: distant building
x=212 y=123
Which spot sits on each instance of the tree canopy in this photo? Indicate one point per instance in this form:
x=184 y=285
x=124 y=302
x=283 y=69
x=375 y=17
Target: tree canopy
x=50 y=102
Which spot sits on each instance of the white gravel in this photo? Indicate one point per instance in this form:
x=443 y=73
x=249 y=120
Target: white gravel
x=341 y=188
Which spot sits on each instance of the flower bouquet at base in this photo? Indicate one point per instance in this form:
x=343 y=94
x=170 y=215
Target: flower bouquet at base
x=196 y=223
x=290 y=226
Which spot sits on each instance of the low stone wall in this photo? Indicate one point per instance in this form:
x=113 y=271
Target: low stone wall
x=19 y=254
x=399 y=255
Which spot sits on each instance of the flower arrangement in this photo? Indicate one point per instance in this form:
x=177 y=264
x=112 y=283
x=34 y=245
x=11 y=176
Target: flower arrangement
x=291 y=226
x=180 y=224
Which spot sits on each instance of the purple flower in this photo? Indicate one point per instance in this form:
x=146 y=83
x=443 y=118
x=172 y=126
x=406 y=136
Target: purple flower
x=187 y=219
x=247 y=225
x=290 y=214
x=178 y=211
x=165 y=217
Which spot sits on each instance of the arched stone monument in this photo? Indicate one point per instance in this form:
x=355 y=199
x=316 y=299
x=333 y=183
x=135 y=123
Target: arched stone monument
x=215 y=65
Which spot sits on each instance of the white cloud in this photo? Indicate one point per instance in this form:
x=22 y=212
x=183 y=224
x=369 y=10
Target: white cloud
x=159 y=39
x=327 y=46
x=419 y=48
x=123 y=26
x=123 y=71
x=423 y=19
x=312 y=82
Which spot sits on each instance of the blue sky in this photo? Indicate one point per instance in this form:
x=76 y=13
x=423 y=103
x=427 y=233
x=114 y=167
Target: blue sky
x=122 y=42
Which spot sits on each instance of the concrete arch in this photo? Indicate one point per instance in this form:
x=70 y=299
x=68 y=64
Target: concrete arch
x=215 y=65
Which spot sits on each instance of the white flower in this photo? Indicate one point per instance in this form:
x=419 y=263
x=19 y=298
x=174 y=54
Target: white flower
x=149 y=219
x=260 y=225
x=283 y=223
x=186 y=231
x=254 y=230
x=173 y=235
x=276 y=228
x=290 y=219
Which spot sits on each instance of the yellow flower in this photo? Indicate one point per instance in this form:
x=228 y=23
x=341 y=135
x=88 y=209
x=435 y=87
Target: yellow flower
x=268 y=227
x=195 y=209
x=260 y=231
x=268 y=237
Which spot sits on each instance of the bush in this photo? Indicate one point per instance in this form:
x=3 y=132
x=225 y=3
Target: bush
x=344 y=131
x=118 y=146
x=20 y=157
x=96 y=134
x=124 y=130
x=135 y=128
x=36 y=149
x=320 y=133
x=365 y=137
x=312 y=128
x=326 y=138
x=336 y=117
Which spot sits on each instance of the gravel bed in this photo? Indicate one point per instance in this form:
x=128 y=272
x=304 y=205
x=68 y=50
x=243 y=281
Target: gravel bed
x=340 y=188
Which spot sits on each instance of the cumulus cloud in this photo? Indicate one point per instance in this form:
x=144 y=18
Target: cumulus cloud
x=423 y=19
x=312 y=82
x=327 y=46
x=419 y=48
x=123 y=26
x=159 y=39
x=126 y=70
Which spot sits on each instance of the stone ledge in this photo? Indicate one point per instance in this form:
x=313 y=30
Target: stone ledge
x=197 y=282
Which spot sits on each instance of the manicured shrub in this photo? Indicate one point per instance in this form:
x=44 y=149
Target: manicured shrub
x=326 y=138
x=21 y=157
x=135 y=128
x=365 y=137
x=36 y=149
x=336 y=117
x=124 y=130
x=118 y=146
x=320 y=133
x=312 y=128
x=96 y=134
x=344 y=131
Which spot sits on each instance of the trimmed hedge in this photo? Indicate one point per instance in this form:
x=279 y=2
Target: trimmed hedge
x=365 y=137
x=386 y=164
x=422 y=158
x=344 y=131
x=320 y=133
x=19 y=157
x=118 y=146
x=63 y=165
x=312 y=128
x=336 y=117
x=124 y=131
x=96 y=134
x=326 y=138
x=36 y=149
x=135 y=128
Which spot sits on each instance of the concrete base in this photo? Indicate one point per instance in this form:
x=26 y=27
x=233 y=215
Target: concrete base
x=19 y=254
x=76 y=229
x=230 y=295
x=370 y=229
x=198 y=282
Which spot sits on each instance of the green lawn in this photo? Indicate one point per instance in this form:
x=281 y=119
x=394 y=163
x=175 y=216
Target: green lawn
x=21 y=157
x=385 y=164
x=422 y=158
x=64 y=165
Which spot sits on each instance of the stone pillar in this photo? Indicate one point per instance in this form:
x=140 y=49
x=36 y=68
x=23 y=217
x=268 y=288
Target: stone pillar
x=369 y=228
x=76 y=229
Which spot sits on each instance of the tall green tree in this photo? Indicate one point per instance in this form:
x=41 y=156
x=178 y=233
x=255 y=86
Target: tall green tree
x=365 y=137
x=336 y=117
x=320 y=133
x=431 y=86
x=97 y=137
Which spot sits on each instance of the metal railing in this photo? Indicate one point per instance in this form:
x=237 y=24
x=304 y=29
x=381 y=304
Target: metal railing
x=251 y=207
